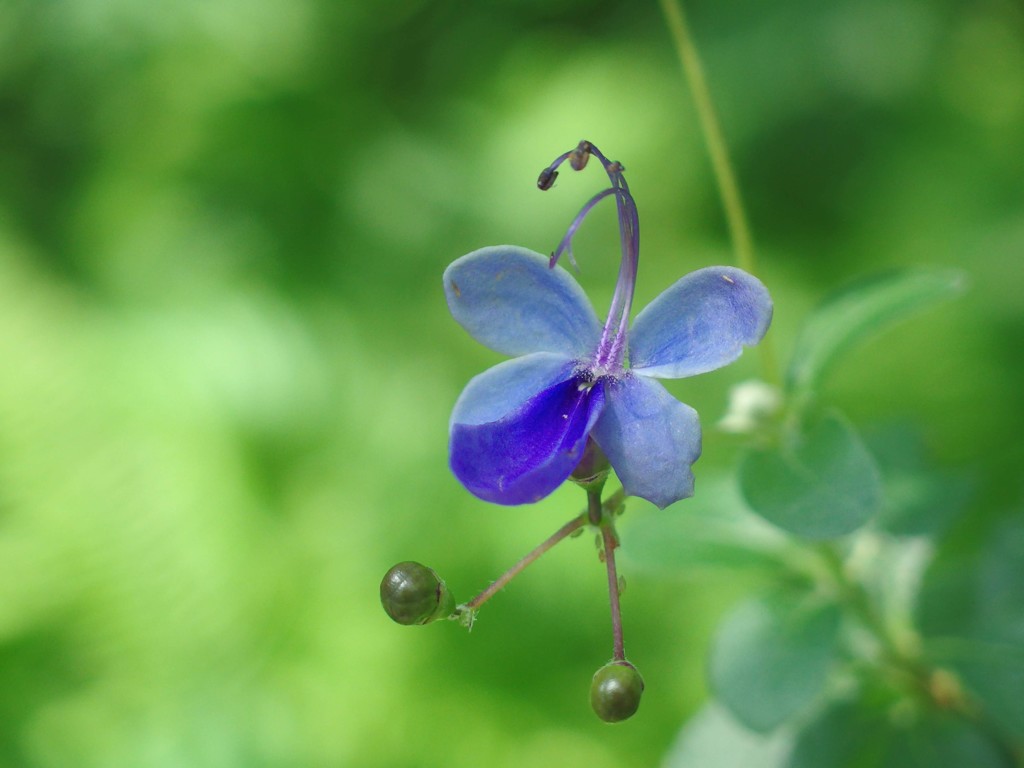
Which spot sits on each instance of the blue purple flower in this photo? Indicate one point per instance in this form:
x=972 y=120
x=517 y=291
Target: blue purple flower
x=519 y=429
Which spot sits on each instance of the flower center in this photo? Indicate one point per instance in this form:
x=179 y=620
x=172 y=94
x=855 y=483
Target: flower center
x=611 y=351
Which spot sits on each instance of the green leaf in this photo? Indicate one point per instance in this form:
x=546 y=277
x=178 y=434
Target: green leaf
x=714 y=529
x=712 y=739
x=922 y=503
x=848 y=735
x=971 y=617
x=994 y=674
x=938 y=740
x=979 y=595
x=920 y=499
x=862 y=309
x=843 y=736
x=771 y=658
x=826 y=485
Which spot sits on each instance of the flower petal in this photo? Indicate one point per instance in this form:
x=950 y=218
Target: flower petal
x=650 y=438
x=511 y=301
x=700 y=323
x=529 y=450
x=503 y=388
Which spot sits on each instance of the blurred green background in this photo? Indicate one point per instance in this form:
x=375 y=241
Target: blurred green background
x=227 y=363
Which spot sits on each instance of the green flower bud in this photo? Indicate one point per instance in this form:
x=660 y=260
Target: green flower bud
x=592 y=469
x=411 y=593
x=615 y=692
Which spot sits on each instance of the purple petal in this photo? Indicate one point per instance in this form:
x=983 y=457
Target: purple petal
x=529 y=451
x=503 y=388
x=650 y=438
x=700 y=323
x=511 y=301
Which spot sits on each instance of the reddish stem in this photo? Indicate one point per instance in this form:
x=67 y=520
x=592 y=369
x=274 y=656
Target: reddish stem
x=610 y=543
x=515 y=570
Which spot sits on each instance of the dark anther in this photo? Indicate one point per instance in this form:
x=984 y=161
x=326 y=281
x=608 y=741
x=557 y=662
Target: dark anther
x=579 y=156
x=547 y=178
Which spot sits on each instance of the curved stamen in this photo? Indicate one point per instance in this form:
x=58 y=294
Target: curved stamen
x=611 y=351
x=565 y=246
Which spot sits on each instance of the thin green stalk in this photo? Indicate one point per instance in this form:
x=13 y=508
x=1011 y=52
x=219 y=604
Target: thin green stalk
x=717 y=149
x=729 y=191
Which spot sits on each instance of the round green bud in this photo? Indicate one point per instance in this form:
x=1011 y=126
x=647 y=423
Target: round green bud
x=615 y=692
x=411 y=593
x=593 y=467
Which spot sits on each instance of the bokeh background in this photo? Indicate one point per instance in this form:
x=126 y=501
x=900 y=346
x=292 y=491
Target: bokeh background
x=226 y=363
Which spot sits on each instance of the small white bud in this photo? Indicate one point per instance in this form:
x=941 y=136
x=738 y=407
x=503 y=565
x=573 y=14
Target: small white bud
x=750 y=403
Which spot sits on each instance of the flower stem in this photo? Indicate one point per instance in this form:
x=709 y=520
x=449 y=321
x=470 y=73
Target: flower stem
x=594 y=509
x=610 y=543
x=717 y=149
x=938 y=687
x=732 y=201
x=604 y=514
x=566 y=530
x=854 y=596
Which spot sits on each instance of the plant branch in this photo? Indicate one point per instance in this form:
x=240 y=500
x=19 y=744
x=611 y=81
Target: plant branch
x=610 y=543
x=713 y=137
x=566 y=530
x=602 y=515
x=728 y=188
x=938 y=686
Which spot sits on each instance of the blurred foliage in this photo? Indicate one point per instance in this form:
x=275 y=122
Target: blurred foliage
x=228 y=366
x=848 y=659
